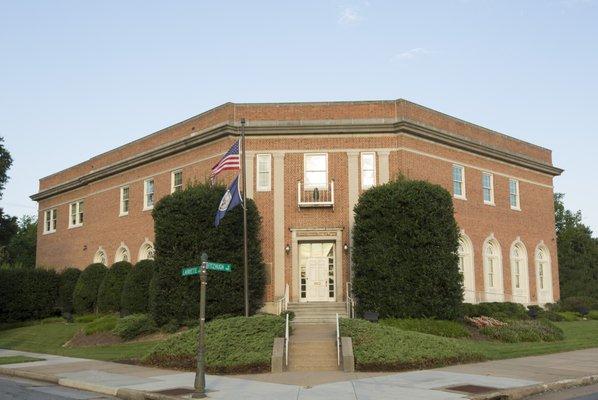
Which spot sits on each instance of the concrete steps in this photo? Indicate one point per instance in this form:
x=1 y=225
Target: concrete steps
x=312 y=347
x=320 y=312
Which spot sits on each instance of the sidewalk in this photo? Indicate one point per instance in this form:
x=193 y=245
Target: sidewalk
x=108 y=377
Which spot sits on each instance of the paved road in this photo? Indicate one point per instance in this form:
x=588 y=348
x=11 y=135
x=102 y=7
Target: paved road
x=25 y=389
x=579 y=393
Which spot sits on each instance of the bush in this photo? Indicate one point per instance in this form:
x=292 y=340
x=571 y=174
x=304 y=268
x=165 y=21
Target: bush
x=577 y=303
x=545 y=313
x=233 y=345
x=171 y=326
x=569 y=316
x=68 y=281
x=134 y=325
x=102 y=324
x=134 y=298
x=405 y=252
x=85 y=295
x=525 y=331
x=27 y=294
x=85 y=318
x=435 y=327
x=380 y=347
x=505 y=310
x=111 y=289
x=184 y=227
x=593 y=314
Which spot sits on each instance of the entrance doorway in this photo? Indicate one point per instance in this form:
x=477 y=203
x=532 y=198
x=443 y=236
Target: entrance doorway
x=317 y=271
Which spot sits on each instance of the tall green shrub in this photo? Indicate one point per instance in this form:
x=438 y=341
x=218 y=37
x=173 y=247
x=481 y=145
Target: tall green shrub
x=405 y=252
x=27 y=294
x=184 y=227
x=134 y=298
x=68 y=281
x=111 y=288
x=85 y=296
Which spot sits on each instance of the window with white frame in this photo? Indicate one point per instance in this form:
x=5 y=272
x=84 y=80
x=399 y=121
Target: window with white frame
x=76 y=214
x=488 y=187
x=124 y=200
x=176 y=181
x=459 y=181
x=316 y=170
x=368 y=170
x=514 y=194
x=543 y=275
x=264 y=172
x=50 y=220
x=148 y=194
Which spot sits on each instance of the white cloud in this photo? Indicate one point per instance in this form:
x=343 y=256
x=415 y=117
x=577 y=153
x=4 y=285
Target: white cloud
x=411 y=54
x=349 y=16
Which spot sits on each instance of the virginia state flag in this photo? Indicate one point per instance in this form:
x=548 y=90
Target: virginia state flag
x=230 y=200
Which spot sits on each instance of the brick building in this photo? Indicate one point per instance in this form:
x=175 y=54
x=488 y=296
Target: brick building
x=307 y=163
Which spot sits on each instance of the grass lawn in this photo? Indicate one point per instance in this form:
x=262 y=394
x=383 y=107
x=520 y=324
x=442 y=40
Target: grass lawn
x=17 y=359
x=49 y=338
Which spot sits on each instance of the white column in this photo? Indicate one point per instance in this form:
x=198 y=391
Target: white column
x=353 y=195
x=249 y=163
x=278 y=206
x=383 y=166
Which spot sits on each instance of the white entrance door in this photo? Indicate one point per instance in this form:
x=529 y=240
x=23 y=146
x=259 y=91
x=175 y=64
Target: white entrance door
x=317 y=265
x=317 y=278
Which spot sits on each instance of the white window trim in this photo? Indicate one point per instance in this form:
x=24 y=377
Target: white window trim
x=52 y=226
x=79 y=223
x=147 y=207
x=172 y=186
x=119 y=253
x=463 y=195
x=518 y=206
x=143 y=250
x=122 y=213
x=367 y=153
x=491 y=202
x=326 y=182
x=258 y=187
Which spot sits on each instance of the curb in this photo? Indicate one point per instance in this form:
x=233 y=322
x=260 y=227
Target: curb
x=121 y=393
x=525 y=391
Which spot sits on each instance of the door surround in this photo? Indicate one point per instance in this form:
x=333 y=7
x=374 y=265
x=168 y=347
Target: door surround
x=317 y=235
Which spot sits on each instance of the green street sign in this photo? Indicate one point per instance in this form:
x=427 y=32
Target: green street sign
x=190 y=271
x=214 y=266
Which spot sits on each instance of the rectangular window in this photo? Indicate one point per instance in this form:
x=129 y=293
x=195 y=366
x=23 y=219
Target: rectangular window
x=264 y=172
x=50 y=221
x=488 y=187
x=459 y=181
x=176 y=181
x=316 y=171
x=368 y=170
x=76 y=214
x=148 y=194
x=514 y=194
x=124 y=200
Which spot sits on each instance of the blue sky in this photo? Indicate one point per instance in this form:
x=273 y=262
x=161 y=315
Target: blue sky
x=79 y=78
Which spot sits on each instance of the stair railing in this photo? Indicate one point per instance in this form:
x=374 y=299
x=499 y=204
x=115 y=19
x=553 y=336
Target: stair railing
x=286 y=341
x=282 y=303
x=338 y=342
x=350 y=301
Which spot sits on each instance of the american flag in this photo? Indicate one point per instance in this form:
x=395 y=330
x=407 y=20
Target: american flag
x=230 y=161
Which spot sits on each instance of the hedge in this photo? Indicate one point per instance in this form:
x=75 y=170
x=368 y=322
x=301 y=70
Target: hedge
x=524 y=331
x=68 y=281
x=498 y=310
x=435 y=327
x=184 y=229
x=134 y=325
x=405 y=244
x=85 y=296
x=134 y=298
x=110 y=290
x=27 y=294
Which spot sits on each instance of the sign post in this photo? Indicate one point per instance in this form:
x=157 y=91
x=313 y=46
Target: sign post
x=200 y=373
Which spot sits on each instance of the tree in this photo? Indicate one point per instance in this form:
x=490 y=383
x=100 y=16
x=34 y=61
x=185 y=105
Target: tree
x=5 y=163
x=184 y=227
x=577 y=252
x=85 y=295
x=110 y=290
x=405 y=242
x=134 y=298
x=22 y=245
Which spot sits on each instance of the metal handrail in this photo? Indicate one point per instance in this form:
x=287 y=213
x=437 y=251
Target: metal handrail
x=350 y=301
x=282 y=303
x=338 y=342
x=286 y=341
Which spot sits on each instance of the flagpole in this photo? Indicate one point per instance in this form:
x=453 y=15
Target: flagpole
x=244 y=180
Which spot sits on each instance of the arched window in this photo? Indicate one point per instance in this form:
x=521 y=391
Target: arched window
x=519 y=273
x=465 y=252
x=493 y=270
x=100 y=256
x=543 y=275
x=122 y=254
x=146 y=251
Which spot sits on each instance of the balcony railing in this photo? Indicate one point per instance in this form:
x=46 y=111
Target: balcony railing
x=315 y=197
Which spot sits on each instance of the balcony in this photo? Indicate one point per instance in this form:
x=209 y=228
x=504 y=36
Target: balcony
x=315 y=196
